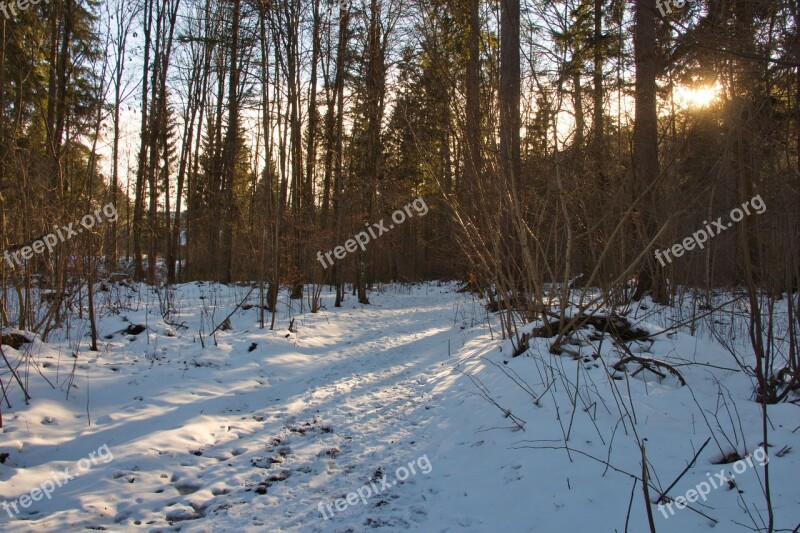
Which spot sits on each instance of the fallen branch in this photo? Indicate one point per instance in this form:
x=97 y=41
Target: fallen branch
x=617 y=326
x=646 y=363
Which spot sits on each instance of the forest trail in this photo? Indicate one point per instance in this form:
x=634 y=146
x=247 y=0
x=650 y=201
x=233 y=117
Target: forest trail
x=407 y=414
x=204 y=437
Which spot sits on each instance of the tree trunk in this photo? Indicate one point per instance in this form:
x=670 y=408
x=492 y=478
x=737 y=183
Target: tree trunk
x=598 y=138
x=311 y=149
x=338 y=208
x=577 y=99
x=510 y=163
x=473 y=164
x=63 y=70
x=645 y=141
x=123 y=28
x=138 y=203
x=510 y=159
x=231 y=149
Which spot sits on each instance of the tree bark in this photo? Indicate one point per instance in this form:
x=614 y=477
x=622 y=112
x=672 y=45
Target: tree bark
x=510 y=159
x=473 y=164
x=645 y=141
x=598 y=138
x=231 y=150
x=144 y=140
x=311 y=148
x=344 y=17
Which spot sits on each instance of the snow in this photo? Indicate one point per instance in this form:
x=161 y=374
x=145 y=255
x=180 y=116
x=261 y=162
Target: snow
x=237 y=437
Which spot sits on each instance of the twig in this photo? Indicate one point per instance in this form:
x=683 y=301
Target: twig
x=232 y=312
x=524 y=385
x=681 y=324
x=694 y=459
x=609 y=465
x=485 y=394
x=14 y=373
x=646 y=491
x=646 y=362
x=630 y=504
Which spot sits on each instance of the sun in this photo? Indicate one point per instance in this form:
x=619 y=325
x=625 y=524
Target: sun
x=697 y=97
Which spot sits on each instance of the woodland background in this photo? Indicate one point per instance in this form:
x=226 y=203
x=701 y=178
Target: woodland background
x=239 y=137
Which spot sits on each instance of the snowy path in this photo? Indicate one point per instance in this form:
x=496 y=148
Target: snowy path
x=274 y=431
x=349 y=394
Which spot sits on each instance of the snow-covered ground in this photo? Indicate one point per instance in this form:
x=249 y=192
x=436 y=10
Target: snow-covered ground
x=399 y=415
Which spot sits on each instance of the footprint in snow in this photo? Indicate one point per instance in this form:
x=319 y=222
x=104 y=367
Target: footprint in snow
x=181 y=514
x=219 y=491
x=129 y=476
x=418 y=513
x=187 y=487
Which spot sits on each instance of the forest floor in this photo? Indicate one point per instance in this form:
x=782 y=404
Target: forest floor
x=407 y=414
